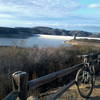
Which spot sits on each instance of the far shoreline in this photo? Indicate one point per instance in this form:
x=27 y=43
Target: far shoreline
x=84 y=42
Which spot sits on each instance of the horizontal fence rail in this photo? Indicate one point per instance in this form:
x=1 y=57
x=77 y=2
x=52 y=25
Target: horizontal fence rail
x=50 y=77
x=21 y=85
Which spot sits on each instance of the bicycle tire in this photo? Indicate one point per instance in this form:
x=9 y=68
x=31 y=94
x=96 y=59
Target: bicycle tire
x=93 y=72
x=78 y=87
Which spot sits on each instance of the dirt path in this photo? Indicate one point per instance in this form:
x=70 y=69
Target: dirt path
x=72 y=93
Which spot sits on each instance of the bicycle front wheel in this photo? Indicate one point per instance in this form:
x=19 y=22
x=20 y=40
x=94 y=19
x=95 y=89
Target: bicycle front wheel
x=84 y=82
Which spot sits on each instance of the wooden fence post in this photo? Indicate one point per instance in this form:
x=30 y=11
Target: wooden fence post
x=20 y=84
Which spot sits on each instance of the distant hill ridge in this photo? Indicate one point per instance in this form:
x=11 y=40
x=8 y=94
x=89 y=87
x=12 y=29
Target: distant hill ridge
x=27 y=32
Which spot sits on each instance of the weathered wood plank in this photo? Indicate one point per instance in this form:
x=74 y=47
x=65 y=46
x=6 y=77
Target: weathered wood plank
x=50 y=77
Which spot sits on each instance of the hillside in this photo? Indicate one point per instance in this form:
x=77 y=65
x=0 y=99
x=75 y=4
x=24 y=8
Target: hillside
x=15 y=32
x=96 y=35
x=20 y=32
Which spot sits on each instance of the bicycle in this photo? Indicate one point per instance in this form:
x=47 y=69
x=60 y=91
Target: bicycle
x=85 y=78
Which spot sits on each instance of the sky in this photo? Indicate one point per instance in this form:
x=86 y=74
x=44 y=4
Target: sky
x=63 y=14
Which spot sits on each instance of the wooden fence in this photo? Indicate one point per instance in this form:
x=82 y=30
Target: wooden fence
x=21 y=85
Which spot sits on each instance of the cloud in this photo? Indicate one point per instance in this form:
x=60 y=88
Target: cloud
x=53 y=13
x=37 y=8
x=94 y=6
x=3 y=16
x=36 y=12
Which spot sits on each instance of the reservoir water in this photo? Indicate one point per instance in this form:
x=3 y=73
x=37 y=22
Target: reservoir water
x=40 y=41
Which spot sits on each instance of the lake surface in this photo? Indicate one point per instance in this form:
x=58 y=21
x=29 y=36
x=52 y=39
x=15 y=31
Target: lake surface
x=40 y=41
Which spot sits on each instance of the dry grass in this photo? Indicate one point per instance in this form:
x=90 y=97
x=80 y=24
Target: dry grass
x=32 y=60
